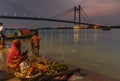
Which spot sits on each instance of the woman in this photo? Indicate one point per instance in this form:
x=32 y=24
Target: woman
x=35 y=44
x=15 y=56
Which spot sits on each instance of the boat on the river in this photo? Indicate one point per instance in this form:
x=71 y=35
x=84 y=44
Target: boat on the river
x=20 y=34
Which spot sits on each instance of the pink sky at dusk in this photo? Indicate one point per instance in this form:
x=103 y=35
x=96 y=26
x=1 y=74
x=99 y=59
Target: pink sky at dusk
x=102 y=8
x=103 y=11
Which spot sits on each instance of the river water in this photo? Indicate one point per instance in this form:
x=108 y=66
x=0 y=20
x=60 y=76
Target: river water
x=92 y=49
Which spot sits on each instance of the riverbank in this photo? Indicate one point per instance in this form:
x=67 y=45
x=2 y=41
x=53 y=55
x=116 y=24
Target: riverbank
x=85 y=75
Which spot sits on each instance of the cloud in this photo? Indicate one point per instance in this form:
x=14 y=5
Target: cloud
x=106 y=7
x=103 y=11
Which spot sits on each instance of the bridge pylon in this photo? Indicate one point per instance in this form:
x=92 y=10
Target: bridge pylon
x=77 y=14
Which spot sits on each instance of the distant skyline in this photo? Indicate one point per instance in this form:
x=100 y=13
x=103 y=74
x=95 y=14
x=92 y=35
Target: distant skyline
x=105 y=12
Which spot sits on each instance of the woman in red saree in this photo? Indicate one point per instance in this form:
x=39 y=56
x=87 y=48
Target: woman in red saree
x=15 y=56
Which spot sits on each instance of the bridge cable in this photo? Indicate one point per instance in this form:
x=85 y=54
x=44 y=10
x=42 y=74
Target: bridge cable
x=89 y=20
x=62 y=14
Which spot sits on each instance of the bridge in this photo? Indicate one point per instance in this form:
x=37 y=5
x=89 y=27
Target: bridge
x=77 y=17
x=43 y=19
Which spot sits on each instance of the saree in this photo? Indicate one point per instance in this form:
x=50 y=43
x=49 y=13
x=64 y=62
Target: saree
x=14 y=56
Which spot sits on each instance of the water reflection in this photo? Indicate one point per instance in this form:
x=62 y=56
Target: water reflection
x=85 y=37
x=95 y=36
x=60 y=36
x=84 y=47
x=76 y=36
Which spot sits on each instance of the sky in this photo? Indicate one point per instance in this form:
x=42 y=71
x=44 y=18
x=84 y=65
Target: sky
x=104 y=12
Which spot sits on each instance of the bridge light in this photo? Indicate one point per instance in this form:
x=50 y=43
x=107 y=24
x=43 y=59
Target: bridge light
x=76 y=26
x=96 y=26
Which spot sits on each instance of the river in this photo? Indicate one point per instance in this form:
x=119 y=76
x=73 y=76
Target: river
x=92 y=49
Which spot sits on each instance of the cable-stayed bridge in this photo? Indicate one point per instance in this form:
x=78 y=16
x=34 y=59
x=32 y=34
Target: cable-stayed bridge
x=78 y=17
x=43 y=19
